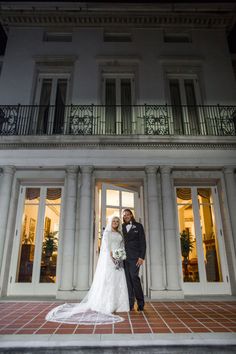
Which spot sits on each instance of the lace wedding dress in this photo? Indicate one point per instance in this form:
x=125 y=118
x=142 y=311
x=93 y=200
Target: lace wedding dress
x=108 y=292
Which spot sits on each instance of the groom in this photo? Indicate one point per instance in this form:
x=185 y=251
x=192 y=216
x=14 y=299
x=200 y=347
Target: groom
x=135 y=247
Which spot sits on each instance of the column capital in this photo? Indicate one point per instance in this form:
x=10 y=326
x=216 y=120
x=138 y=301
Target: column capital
x=166 y=169
x=9 y=170
x=72 y=169
x=86 y=169
x=151 y=170
x=229 y=170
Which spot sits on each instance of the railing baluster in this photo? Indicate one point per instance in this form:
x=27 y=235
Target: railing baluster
x=215 y=120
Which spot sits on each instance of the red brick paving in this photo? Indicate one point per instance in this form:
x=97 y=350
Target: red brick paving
x=22 y=317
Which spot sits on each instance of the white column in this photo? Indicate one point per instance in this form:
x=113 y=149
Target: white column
x=69 y=230
x=84 y=228
x=5 y=195
x=155 y=244
x=231 y=197
x=170 y=235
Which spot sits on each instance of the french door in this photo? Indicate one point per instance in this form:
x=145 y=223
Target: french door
x=118 y=97
x=203 y=256
x=51 y=97
x=112 y=200
x=184 y=98
x=34 y=257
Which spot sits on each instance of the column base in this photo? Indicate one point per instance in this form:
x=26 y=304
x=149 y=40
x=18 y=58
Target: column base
x=71 y=294
x=166 y=294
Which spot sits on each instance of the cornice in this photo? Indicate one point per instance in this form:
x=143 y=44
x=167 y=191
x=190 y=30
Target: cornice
x=77 y=18
x=117 y=145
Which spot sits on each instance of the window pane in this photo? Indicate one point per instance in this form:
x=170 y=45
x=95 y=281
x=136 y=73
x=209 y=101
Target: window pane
x=127 y=200
x=53 y=196
x=112 y=197
x=209 y=239
x=50 y=239
x=28 y=235
x=188 y=243
x=184 y=196
x=112 y=212
x=204 y=195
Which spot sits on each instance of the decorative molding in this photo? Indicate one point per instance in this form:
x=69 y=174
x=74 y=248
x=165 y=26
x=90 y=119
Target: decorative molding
x=155 y=19
x=118 y=145
x=65 y=60
x=181 y=59
x=116 y=60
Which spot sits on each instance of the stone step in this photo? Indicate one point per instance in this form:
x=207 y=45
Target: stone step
x=214 y=349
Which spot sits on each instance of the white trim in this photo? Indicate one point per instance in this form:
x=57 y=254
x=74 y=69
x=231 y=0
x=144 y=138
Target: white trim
x=35 y=287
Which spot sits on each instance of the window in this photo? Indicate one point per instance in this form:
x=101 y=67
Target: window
x=113 y=36
x=118 y=99
x=184 y=98
x=177 y=37
x=51 y=97
x=57 y=37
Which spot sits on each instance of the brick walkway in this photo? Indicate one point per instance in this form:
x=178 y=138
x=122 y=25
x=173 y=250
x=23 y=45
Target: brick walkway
x=159 y=317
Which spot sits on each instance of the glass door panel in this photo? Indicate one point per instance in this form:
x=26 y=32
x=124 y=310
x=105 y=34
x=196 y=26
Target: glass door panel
x=127 y=200
x=209 y=236
x=112 y=197
x=187 y=235
x=25 y=262
x=50 y=236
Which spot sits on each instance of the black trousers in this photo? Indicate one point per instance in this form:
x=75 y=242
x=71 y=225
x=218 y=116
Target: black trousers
x=133 y=282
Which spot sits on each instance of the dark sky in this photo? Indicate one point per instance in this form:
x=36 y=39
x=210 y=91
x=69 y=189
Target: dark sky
x=131 y=1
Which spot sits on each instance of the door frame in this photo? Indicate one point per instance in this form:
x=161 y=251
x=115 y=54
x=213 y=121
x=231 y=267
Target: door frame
x=139 y=218
x=35 y=287
x=203 y=287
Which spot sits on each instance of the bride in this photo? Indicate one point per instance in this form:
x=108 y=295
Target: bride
x=108 y=292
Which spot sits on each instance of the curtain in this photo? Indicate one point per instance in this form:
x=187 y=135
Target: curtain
x=110 y=102
x=32 y=193
x=184 y=193
x=60 y=102
x=126 y=109
x=44 y=106
x=53 y=193
x=176 y=109
x=192 y=108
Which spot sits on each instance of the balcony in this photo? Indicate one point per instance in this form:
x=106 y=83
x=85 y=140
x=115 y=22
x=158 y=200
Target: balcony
x=98 y=120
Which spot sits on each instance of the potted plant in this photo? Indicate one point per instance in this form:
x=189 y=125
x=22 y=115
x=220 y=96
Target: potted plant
x=187 y=244
x=50 y=243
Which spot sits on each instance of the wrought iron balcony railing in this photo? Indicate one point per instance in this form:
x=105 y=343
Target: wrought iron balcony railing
x=118 y=120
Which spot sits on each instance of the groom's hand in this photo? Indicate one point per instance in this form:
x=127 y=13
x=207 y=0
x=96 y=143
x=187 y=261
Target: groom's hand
x=139 y=262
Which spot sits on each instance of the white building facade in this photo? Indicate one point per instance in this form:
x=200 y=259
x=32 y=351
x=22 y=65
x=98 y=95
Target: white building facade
x=109 y=106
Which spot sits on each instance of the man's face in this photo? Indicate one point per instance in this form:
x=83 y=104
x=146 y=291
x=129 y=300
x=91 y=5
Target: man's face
x=127 y=216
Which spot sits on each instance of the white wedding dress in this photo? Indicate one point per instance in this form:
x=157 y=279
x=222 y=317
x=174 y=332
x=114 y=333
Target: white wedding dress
x=108 y=292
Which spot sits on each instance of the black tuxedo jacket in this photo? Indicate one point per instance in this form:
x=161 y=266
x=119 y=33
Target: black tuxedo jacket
x=135 y=243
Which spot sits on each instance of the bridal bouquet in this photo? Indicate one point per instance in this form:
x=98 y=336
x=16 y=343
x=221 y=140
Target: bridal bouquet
x=119 y=256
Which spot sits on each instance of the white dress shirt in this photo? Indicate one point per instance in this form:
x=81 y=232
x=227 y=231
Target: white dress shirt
x=128 y=226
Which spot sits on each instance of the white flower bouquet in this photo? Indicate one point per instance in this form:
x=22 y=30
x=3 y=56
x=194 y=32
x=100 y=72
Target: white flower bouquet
x=119 y=255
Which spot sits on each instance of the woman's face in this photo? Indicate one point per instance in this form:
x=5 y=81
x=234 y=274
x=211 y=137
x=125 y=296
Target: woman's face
x=115 y=223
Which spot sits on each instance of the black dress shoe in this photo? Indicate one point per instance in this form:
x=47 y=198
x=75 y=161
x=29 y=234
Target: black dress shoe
x=140 y=308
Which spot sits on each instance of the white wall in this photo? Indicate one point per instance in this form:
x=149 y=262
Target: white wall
x=208 y=46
